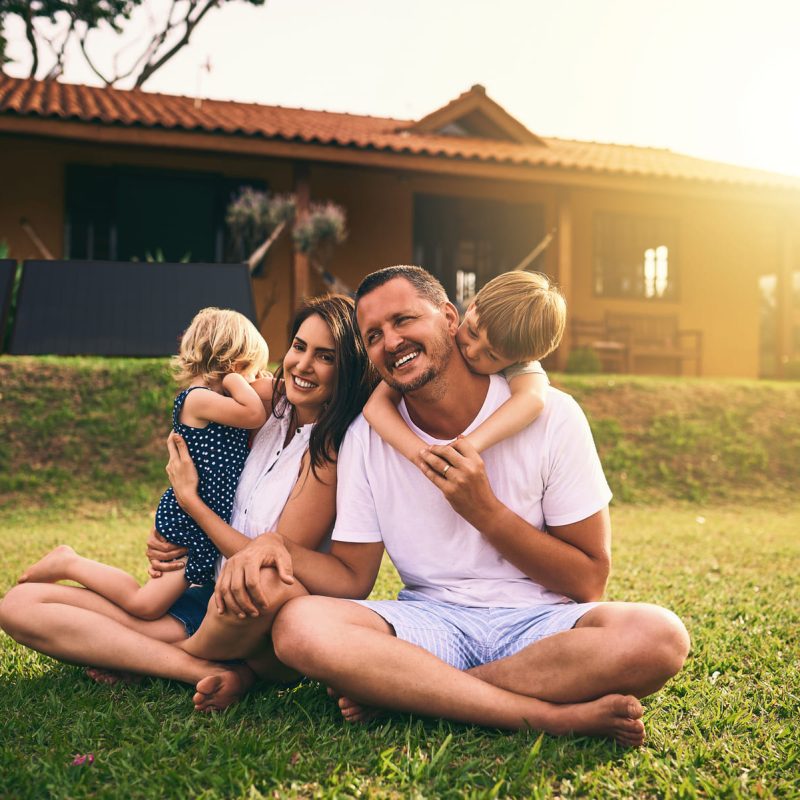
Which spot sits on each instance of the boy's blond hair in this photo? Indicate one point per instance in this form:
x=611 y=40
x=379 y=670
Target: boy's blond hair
x=523 y=314
x=217 y=342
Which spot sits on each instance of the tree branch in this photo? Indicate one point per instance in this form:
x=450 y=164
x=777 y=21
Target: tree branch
x=190 y=24
x=30 y=35
x=82 y=44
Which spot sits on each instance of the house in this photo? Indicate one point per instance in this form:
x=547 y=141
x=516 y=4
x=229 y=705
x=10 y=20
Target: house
x=641 y=239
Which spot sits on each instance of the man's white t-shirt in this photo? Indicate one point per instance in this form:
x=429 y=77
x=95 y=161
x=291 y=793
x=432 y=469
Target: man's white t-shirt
x=548 y=473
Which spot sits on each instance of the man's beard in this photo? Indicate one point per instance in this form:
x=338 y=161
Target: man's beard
x=439 y=354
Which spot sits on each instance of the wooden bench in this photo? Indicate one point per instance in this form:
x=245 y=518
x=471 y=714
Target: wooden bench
x=610 y=348
x=656 y=337
x=621 y=339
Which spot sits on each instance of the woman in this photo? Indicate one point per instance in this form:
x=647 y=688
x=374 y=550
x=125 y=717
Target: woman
x=319 y=389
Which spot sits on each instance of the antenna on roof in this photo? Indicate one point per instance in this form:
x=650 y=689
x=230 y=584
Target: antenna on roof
x=205 y=66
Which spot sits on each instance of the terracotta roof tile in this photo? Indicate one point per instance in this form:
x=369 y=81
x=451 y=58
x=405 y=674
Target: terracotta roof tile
x=137 y=108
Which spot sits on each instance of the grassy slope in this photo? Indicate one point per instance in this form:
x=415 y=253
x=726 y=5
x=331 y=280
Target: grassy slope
x=93 y=429
x=725 y=727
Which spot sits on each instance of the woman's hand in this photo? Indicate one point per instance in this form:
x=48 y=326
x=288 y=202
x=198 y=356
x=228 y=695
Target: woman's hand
x=239 y=587
x=162 y=554
x=181 y=471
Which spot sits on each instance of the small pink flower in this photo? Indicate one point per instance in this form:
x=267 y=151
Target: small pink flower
x=80 y=760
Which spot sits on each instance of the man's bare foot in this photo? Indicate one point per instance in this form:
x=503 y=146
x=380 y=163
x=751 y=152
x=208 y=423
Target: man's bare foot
x=352 y=711
x=50 y=568
x=224 y=688
x=111 y=677
x=615 y=716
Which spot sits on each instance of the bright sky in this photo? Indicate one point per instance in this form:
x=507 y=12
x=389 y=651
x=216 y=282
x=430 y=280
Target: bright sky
x=719 y=79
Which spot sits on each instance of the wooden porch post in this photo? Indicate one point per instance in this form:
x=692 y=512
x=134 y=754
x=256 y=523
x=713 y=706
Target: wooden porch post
x=783 y=301
x=564 y=212
x=300 y=266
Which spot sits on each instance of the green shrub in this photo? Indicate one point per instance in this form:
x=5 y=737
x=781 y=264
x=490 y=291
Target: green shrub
x=583 y=361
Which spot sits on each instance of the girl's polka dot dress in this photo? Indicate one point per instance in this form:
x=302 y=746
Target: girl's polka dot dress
x=219 y=452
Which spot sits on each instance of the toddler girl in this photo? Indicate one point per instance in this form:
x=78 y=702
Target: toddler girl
x=221 y=354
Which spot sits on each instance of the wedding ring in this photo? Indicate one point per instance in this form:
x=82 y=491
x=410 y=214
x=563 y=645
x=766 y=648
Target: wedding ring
x=444 y=471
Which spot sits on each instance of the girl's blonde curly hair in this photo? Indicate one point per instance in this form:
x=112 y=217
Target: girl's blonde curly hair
x=217 y=342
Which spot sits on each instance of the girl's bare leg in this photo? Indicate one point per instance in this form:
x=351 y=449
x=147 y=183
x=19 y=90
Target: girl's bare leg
x=80 y=627
x=150 y=601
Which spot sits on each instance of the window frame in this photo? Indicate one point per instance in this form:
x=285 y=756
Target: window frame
x=673 y=274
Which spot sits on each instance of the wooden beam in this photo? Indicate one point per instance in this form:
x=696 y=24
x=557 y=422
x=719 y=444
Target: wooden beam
x=784 y=299
x=242 y=145
x=564 y=262
x=301 y=279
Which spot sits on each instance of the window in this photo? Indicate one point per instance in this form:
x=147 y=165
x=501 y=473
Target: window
x=128 y=213
x=465 y=242
x=634 y=257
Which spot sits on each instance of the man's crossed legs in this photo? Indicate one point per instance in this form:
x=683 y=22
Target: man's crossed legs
x=586 y=680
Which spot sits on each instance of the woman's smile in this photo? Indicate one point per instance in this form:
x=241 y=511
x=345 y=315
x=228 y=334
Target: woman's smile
x=310 y=367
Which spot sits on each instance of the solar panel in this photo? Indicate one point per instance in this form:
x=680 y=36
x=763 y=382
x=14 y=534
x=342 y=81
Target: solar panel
x=109 y=308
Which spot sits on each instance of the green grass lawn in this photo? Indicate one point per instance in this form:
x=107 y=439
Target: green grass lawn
x=725 y=727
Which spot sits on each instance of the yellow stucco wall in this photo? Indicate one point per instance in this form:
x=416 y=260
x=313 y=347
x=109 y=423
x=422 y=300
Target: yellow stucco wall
x=722 y=249
x=723 y=246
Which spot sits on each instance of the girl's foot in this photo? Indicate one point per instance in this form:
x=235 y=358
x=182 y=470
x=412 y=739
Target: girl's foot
x=53 y=567
x=222 y=689
x=614 y=716
x=111 y=677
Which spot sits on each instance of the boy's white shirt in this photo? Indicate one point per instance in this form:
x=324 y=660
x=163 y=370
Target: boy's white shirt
x=549 y=472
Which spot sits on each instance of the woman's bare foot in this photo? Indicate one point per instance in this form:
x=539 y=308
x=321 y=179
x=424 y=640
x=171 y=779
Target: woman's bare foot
x=111 y=677
x=224 y=688
x=352 y=711
x=615 y=716
x=50 y=568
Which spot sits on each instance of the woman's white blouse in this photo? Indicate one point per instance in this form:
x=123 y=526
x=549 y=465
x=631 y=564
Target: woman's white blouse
x=268 y=477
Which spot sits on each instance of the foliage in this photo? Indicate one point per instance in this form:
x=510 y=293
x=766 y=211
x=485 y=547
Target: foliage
x=322 y=228
x=583 y=361
x=158 y=257
x=5 y=335
x=723 y=728
x=4 y=248
x=252 y=217
x=52 y=25
x=70 y=19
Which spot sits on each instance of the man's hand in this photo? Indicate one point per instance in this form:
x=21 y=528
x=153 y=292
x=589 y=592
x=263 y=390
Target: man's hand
x=181 y=470
x=458 y=471
x=162 y=555
x=239 y=587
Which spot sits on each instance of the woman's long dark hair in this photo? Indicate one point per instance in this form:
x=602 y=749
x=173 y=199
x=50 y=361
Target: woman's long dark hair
x=353 y=380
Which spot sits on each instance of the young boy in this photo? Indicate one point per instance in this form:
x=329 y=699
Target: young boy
x=513 y=322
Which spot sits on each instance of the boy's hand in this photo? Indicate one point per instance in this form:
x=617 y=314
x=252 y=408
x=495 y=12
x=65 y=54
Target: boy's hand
x=458 y=471
x=162 y=554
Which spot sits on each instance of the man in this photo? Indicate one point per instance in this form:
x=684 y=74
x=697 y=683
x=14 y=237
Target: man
x=500 y=623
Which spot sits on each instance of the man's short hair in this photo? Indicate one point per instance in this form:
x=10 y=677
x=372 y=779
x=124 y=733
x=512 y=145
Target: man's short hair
x=426 y=285
x=523 y=314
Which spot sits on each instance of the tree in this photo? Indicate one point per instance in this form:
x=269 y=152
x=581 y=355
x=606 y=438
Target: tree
x=51 y=26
